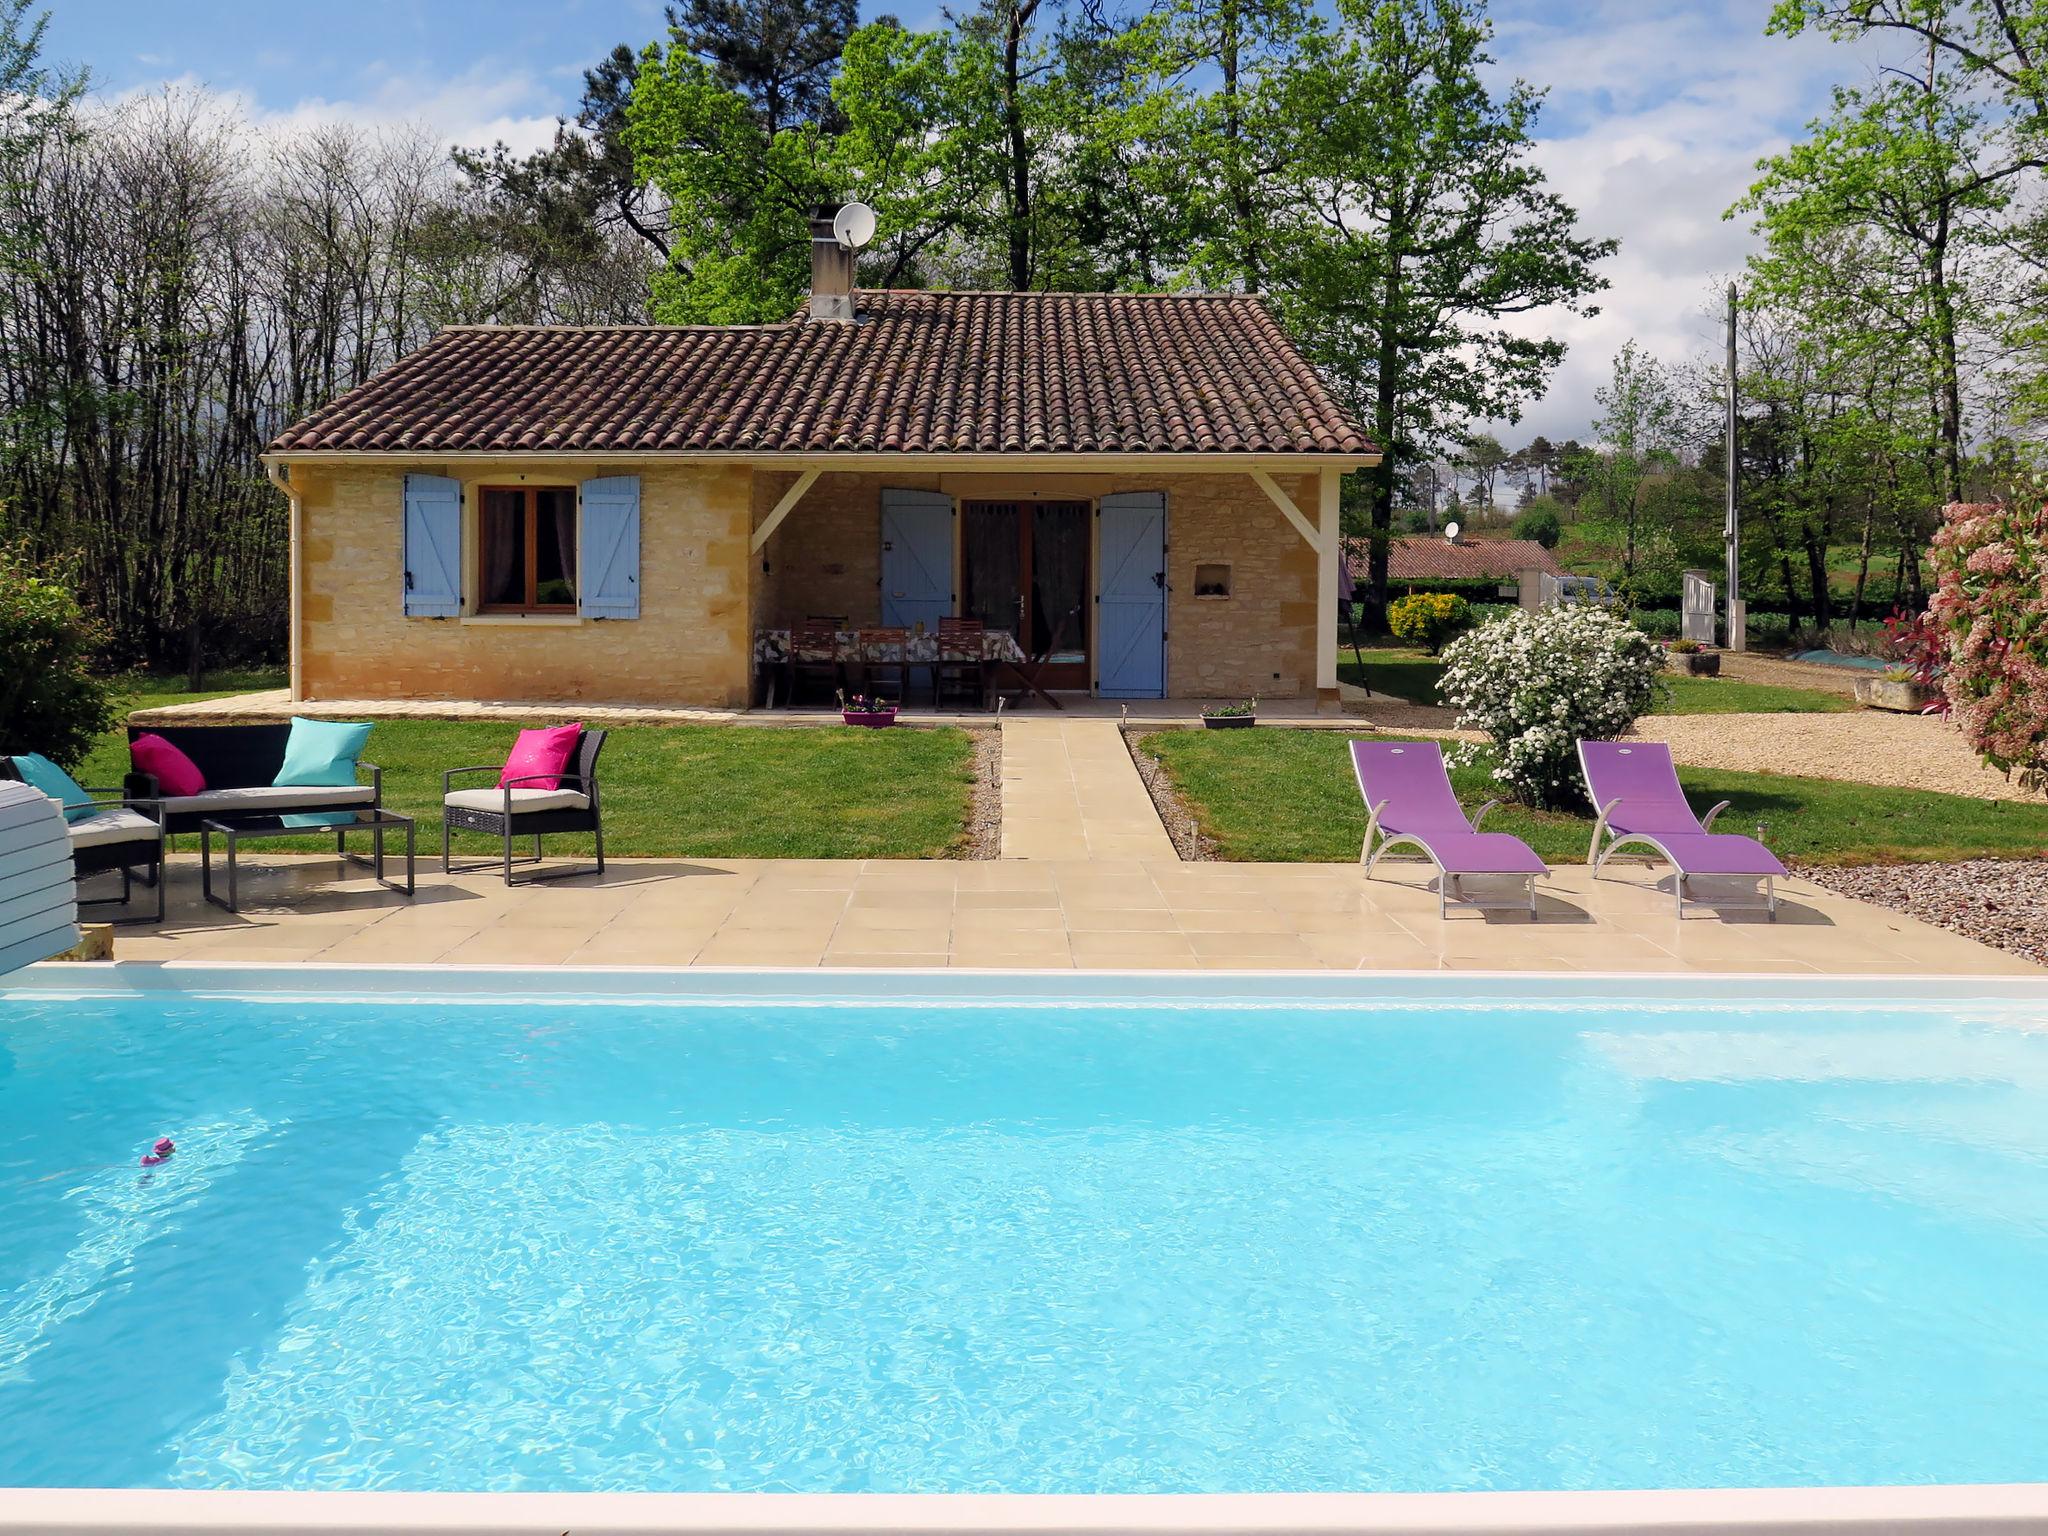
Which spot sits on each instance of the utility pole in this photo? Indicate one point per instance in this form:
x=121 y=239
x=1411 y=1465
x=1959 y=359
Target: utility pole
x=1731 y=531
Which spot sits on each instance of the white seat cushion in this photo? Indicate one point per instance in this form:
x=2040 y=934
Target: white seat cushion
x=523 y=800
x=270 y=797
x=115 y=826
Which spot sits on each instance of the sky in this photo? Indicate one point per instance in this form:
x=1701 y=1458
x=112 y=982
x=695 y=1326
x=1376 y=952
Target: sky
x=1657 y=113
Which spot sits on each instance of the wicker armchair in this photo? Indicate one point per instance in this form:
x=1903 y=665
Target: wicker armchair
x=511 y=811
x=123 y=833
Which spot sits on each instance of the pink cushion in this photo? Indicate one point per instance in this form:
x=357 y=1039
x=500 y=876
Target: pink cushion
x=544 y=752
x=175 y=773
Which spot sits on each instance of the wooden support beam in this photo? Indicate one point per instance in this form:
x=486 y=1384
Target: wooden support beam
x=782 y=508
x=1286 y=504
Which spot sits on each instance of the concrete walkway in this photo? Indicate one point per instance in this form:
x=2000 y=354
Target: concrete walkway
x=1070 y=791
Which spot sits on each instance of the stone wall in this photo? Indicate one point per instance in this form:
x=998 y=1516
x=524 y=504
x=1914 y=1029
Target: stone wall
x=690 y=645
x=825 y=558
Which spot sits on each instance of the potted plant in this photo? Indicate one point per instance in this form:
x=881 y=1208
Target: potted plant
x=1232 y=717
x=1895 y=688
x=1691 y=656
x=865 y=709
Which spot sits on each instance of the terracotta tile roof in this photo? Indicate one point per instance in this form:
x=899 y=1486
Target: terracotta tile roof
x=918 y=373
x=1432 y=557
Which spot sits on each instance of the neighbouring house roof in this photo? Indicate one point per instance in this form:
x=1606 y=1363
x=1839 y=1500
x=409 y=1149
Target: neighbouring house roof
x=916 y=373
x=1431 y=557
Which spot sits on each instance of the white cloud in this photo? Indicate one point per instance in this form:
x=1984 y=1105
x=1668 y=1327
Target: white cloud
x=1658 y=114
x=485 y=104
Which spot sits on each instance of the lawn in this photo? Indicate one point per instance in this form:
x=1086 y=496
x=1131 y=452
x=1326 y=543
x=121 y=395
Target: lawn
x=694 y=791
x=1412 y=675
x=1288 y=796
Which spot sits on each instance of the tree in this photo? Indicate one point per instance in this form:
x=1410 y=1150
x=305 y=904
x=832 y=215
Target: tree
x=1410 y=225
x=1638 y=429
x=779 y=55
x=1903 y=173
x=1538 y=521
x=560 y=206
x=1483 y=458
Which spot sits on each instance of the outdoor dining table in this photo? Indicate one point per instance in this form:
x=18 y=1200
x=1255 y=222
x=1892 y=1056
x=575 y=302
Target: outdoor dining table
x=921 y=649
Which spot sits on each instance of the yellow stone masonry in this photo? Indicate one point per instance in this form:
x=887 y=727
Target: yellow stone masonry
x=690 y=645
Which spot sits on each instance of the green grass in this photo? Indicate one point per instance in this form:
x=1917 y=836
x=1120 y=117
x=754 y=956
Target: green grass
x=1413 y=675
x=1288 y=796
x=1732 y=696
x=687 y=791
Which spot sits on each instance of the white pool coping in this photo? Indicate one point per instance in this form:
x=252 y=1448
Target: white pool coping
x=1950 y=1510
x=956 y=985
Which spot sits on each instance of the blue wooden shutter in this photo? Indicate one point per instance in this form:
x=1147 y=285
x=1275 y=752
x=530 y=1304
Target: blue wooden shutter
x=433 y=547
x=917 y=558
x=1130 y=627
x=608 y=576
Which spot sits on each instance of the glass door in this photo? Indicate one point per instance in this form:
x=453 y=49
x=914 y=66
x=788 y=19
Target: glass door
x=1024 y=568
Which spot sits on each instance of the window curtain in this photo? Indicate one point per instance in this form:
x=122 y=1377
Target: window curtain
x=565 y=537
x=504 y=518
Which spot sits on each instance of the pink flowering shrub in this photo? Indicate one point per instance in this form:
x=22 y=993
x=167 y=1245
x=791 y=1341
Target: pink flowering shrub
x=1991 y=602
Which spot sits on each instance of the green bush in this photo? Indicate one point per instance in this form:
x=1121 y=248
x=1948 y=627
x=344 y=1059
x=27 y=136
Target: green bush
x=51 y=699
x=1540 y=523
x=1429 y=619
x=1657 y=623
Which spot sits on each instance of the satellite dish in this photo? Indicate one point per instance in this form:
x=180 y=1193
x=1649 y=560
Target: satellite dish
x=854 y=225
x=1451 y=532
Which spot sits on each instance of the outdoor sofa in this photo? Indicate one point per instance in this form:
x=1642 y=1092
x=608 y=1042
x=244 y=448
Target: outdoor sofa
x=240 y=764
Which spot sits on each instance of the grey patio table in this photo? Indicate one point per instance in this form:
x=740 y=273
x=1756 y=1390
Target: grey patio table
x=236 y=826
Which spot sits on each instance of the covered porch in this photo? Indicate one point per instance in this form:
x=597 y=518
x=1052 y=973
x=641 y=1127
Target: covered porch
x=1096 y=577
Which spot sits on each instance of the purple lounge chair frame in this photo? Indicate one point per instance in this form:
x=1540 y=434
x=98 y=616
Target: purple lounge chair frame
x=1634 y=787
x=1409 y=800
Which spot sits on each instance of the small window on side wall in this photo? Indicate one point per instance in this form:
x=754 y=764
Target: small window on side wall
x=1212 y=581
x=526 y=543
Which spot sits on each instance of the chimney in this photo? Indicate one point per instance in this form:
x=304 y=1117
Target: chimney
x=831 y=269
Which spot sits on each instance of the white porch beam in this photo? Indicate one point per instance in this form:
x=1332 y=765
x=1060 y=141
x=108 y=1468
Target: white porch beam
x=1286 y=504
x=1329 y=557
x=782 y=508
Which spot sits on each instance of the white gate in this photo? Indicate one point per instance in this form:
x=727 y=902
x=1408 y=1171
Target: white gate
x=1696 y=608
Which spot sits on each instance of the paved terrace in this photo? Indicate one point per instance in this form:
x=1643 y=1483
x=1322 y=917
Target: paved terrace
x=1099 y=913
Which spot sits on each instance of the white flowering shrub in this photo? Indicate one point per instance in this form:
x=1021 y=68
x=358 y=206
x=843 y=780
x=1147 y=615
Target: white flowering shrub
x=1536 y=683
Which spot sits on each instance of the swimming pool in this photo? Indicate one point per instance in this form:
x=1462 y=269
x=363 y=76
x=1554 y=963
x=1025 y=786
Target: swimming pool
x=1022 y=1236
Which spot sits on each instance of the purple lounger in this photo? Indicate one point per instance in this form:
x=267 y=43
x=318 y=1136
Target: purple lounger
x=1635 y=789
x=1409 y=799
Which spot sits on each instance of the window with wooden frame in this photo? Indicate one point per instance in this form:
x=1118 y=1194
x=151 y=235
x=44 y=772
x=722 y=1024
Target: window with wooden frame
x=526 y=546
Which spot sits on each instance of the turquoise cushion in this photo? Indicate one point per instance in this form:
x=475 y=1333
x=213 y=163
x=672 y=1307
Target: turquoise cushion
x=322 y=752
x=39 y=772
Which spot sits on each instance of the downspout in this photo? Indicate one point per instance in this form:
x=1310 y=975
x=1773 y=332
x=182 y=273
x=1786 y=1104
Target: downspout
x=279 y=476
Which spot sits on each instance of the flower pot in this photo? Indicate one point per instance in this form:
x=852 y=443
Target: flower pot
x=1229 y=722
x=1902 y=695
x=1698 y=663
x=874 y=719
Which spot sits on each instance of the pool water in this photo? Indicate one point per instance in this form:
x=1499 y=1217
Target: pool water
x=532 y=1244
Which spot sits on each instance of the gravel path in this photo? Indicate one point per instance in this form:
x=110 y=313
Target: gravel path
x=1870 y=746
x=1750 y=667
x=985 y=811
x=2000 y=902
